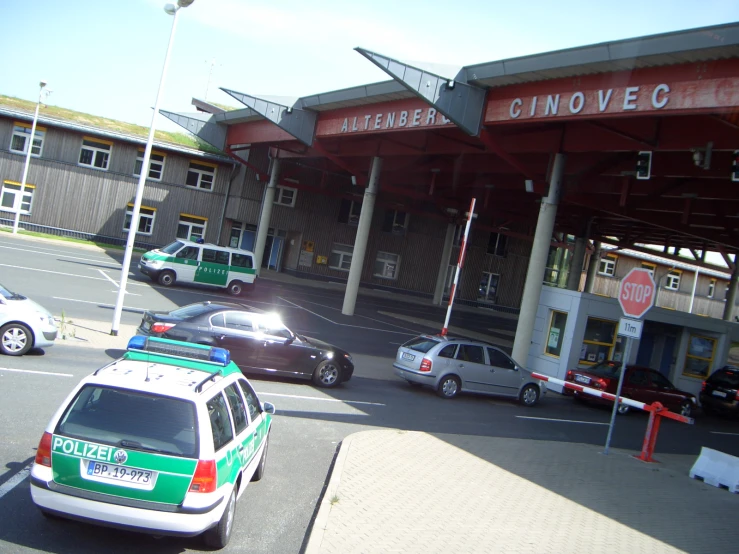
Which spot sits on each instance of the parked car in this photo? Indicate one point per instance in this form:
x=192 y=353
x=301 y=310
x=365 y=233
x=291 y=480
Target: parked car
x=642 y=384
x=720 y=392
x=259 y=342
x=24 y=324
x=452 y=365
x=162 y=441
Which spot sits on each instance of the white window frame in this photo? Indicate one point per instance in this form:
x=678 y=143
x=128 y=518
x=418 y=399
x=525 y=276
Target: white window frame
x=396 y=228
x=650 y=267
x=390 y=265
x=201 y=173
x=499 y=237
x=192 y=222
x=711 y=288
x=23 y=131
x=345 y=253
x=14 y=189
x=102 y=147
x=282 y=192
x=352 y=218
x=145 y=213
x=156 y=165
x=607 y=265
x=488 y=276
x=672 y=280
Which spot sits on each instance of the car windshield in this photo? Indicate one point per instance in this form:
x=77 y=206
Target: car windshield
x=727 y=378
x=421 y=344
x=132 y=420
x=172 y=247
x=609 y=369
x=5 y=292
x=192 y=310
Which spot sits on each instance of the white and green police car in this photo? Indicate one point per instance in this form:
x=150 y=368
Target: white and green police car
x=163 y=440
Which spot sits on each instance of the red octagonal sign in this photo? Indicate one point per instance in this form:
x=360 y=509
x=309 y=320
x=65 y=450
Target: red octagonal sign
x=636 y=293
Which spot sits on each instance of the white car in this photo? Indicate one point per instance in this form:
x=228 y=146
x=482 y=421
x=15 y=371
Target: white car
x=24 y=324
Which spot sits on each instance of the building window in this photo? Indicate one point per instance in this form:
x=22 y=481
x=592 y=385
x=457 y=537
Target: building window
x=191 y=227
x=285 y=196
x=156 y=165
x=350 y=211
x=673 y=280
x=711 y=288
x=201 y=176
x=557 y=324
x=13 y=198
x=488 y=288
x=341 y=257
x=95 y=153
x=649 y=267
x=386 y=265
x=599 y=340
x=20 y=139
x=458 y=235
x=497 y=244
x=607 y=265
x=395 y=222
x=699 y=357
x=146 y=219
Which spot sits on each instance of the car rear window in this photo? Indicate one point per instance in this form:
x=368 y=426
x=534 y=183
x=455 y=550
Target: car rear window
x=107 y=415
x=727 y=378
x=421 y=344
x=611 y=370
x=193 y=310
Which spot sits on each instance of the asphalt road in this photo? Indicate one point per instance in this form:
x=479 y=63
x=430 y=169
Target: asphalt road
x=275 y=514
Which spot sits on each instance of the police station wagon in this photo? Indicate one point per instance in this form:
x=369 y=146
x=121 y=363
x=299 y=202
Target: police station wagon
x=190 y=262
x=163 y=440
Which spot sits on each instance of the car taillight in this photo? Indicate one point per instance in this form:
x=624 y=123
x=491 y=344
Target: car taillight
x=205 y=478
x=703 y=386
x=425 y=364
x=43 y=452
x=737 y=395
x=568 y=377
x=161 y=327
x=600 y=384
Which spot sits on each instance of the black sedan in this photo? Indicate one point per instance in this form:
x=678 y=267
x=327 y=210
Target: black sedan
x=259 y=342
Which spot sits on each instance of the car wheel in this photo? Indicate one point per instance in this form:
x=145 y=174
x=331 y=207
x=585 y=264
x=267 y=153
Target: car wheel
x=259 y=473
x=15 y=339
x=327 y=374
x=529 y=395
x=686 y=409
x=217 y=537
x=449 y=387
x=235 y=288
x=623 y=409
x=166 y=278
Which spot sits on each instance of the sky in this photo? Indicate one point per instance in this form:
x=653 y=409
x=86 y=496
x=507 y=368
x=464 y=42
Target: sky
x=105 y=57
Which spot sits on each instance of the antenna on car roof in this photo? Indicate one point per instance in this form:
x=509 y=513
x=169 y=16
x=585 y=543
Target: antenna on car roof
x=148 y=358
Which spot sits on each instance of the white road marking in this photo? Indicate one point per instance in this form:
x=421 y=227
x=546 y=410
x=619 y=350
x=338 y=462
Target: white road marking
x=14 y=481
x=319 y=398
x=140 y=310
x=66 y=274
x=723 y=433
x=345 y=324
x=58 y=255
x=114 y=283
x=37 y=372
x=562 y=420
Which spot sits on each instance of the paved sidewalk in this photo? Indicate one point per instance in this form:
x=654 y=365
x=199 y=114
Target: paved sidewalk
x=412 y=492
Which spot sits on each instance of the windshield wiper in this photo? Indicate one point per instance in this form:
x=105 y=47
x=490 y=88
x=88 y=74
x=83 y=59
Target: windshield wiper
x=126 y=443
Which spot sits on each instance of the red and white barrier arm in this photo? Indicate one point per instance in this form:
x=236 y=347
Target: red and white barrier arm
x=593 y=392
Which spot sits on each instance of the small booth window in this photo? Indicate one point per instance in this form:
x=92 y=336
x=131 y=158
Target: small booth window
x=699 y=357
x=555 y=338
x=599 y=340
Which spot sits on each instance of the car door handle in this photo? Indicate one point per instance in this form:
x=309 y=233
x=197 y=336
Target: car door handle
x=461 y=365
x=255 y=436
x=241 y=448
x=492 y=371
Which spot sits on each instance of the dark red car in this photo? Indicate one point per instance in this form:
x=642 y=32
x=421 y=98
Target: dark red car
x=642 y=384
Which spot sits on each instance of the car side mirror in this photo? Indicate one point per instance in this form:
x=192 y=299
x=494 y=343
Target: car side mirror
x=269 y=408
x=289 y=340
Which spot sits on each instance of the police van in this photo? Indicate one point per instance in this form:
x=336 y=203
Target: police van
x=186 y=261
x=163 y=440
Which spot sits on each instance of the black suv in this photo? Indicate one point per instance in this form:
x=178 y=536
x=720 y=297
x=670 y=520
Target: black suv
x=720 y=392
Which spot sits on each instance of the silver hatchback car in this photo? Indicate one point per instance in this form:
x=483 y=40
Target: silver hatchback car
x=453 y=365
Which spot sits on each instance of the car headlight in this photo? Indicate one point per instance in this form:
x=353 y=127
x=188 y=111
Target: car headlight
x=155 y=263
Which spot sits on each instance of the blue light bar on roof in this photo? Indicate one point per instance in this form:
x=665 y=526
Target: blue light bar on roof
x=180 y=350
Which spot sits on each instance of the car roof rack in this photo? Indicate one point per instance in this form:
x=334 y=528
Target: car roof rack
x=212 y=376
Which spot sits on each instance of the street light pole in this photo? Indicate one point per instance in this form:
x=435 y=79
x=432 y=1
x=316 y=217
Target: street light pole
x=172 y=10
x=19 y=199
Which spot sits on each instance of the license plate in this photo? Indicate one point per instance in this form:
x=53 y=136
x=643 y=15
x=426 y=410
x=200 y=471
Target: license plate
x=409 y=357
x=119 y=475
x=719 y=393
x=582 y=379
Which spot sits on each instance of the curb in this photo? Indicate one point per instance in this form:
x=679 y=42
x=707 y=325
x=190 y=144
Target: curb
x=324 y=511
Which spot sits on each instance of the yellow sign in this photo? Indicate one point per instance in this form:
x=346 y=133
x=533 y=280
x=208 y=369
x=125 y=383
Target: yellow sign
x=321 y=260
x=308 y=245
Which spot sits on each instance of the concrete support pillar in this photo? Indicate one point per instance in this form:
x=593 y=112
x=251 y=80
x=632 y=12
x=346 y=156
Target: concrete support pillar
x=593 y=267
x=445 y=255
x=264 y=219
x=538 y=263
x=731 y=296
x=360 y=243
x=576 y=266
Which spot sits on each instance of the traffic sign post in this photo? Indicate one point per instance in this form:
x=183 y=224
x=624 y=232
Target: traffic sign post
x=636 y=297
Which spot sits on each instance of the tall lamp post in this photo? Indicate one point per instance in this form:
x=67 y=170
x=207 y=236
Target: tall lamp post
x=171 y=9
x=19 y=199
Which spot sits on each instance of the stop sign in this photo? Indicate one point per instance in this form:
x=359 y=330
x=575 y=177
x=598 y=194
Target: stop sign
x=636 y=293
